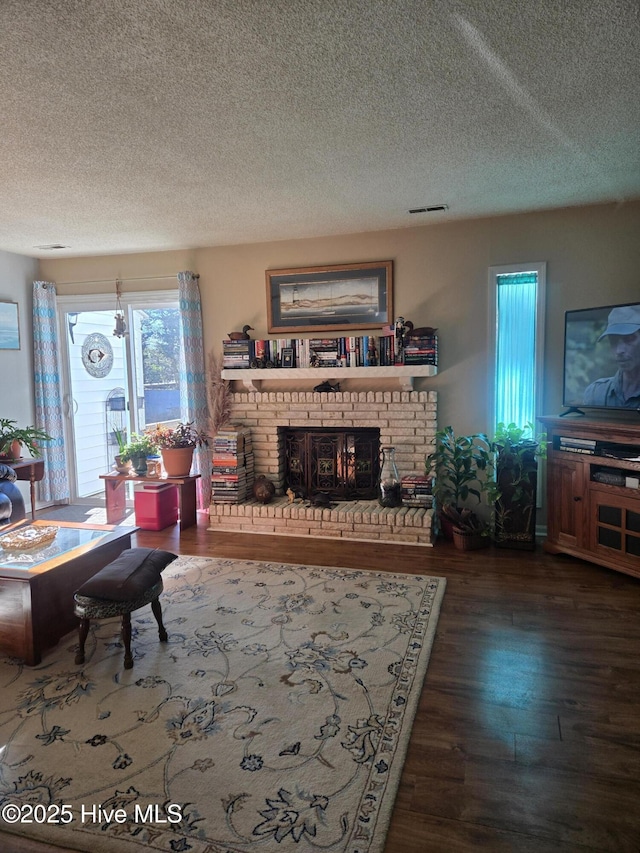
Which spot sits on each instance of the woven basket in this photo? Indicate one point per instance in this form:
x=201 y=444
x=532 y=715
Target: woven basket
x=29 y=537
x=469 y=541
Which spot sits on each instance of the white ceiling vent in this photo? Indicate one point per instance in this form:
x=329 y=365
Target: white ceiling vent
x=433 y=208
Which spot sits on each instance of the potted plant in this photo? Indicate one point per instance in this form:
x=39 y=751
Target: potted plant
x=120 y=435
x=517 y=450
x=137 y=450
x=469 y=531
x=13 y=438
x=458 y=463
x=176 y=445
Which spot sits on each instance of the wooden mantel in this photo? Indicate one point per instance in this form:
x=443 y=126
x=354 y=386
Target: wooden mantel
x=252 y=379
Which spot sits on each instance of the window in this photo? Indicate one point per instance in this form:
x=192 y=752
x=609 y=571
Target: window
x=137 y=386
x=517 y=316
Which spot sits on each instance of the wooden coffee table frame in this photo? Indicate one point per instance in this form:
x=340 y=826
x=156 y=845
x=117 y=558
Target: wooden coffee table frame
x=36 y=605
x=116 y=498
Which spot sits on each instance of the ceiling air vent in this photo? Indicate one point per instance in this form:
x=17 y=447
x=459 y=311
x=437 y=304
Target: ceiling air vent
x=52 y=247
x=433 y=208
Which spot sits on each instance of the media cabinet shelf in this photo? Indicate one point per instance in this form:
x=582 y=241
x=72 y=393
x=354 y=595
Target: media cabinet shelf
x=252 y=379
x=593 y=520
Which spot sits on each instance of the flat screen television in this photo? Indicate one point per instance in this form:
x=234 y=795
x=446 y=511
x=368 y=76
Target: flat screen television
x=602 y=358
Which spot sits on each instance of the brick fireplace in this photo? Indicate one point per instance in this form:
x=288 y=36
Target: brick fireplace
x=406 y=419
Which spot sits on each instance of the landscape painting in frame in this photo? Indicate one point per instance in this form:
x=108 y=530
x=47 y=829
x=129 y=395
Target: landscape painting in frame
x=9 y=327
x=337 y=297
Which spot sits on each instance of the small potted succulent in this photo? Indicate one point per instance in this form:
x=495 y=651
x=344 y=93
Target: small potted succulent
x=176 y=445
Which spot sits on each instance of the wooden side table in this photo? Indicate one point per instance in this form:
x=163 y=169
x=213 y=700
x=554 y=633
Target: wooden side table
x=115 y=495
x=31 y=470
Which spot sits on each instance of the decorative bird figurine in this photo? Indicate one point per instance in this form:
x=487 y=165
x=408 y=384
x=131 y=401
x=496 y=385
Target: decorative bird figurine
x=241 y=336
x=422 y=332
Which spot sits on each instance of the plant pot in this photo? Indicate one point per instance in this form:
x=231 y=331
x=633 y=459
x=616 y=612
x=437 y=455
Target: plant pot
x=469 y=541
x=445 y=527
x=120 y=466
x=139 y=465
x=177 y=461
x=12 y=453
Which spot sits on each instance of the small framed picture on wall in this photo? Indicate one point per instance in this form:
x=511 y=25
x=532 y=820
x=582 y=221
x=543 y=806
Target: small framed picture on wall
x=9 y=326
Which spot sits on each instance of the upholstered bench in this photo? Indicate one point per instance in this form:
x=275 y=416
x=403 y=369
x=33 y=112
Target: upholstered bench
x=128 y=583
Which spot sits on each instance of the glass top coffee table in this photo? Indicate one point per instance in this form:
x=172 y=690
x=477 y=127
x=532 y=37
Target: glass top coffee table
x=37 y=584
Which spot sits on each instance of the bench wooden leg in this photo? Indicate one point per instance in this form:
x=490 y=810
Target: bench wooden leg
x=83 y=631
x=157 y=612
x=126 y=639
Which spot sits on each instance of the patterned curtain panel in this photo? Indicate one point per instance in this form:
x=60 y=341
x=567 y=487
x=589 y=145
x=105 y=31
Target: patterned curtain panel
x=48 y=396
x=193 y=389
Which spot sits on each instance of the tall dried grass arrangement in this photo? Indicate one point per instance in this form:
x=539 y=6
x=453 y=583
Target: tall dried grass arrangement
x=219 y=393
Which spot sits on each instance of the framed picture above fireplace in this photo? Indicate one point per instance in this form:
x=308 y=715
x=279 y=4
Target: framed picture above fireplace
x=336 y=297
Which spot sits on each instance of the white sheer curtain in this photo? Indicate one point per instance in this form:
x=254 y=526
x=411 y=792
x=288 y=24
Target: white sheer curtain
x=516 y=348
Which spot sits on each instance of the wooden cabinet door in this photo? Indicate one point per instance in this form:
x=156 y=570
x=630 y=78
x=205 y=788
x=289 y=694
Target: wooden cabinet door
x=615 y=529
x=566 y=502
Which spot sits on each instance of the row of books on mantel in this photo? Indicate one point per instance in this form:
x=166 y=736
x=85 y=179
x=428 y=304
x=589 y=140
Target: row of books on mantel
x=232 y=465
x=353 y=351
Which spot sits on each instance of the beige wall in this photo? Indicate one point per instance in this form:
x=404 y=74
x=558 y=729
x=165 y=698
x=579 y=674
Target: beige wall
x=17 y=274
x=592 y=255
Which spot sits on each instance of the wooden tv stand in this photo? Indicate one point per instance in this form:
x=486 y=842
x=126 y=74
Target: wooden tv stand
x=593 y=500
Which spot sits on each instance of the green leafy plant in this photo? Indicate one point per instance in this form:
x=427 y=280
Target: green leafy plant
x=458 y=463
x=514 y=438
x=181 y=435
x=121 y=439
x=512 y=488
x=517 y=449
x=27 y=436
x=139 y=446
x=463 y=469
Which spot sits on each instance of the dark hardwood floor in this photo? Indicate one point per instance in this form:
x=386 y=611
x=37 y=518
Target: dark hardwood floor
x=527 y=736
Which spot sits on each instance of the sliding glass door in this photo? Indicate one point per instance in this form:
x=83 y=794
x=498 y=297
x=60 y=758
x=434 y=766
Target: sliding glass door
x=115 y=385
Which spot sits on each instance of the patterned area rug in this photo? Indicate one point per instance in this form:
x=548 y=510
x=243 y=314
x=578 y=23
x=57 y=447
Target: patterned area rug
x=276 y=718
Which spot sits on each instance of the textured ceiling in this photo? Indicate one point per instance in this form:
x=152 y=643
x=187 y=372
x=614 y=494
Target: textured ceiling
x=138 y=125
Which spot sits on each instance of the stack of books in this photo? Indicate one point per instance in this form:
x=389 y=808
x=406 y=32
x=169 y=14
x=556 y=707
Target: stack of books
x=421 y=350
x=237 y=354
x=325 y=352
x=577 y=445
x=232 y=465
x=417 y=490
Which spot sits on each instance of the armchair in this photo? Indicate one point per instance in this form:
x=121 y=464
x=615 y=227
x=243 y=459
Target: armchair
x=11 y=500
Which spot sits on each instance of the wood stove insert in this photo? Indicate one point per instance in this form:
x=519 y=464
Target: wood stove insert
x=344 y=463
